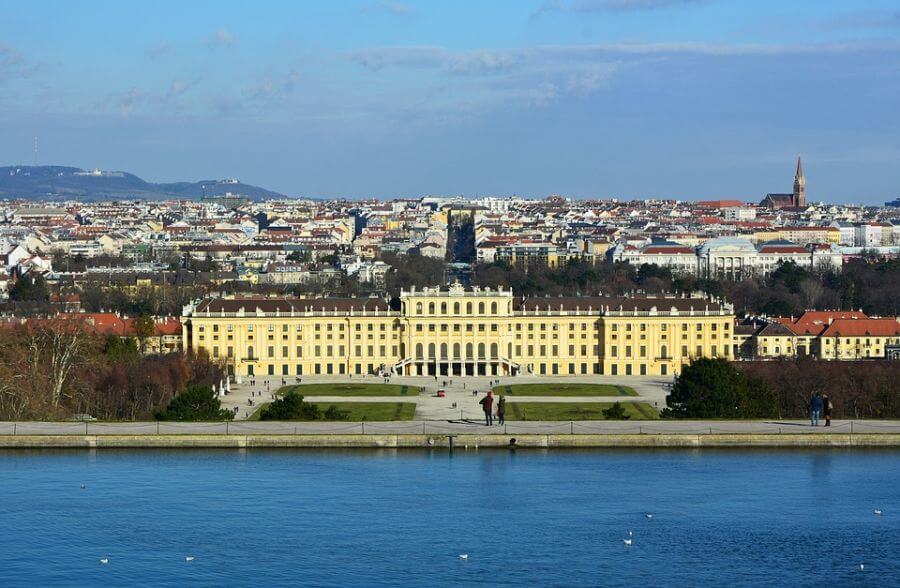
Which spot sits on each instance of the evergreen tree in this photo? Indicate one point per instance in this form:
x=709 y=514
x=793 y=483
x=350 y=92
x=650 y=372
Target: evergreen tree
x=197 y=403
x=714 y=389
x=30 y=289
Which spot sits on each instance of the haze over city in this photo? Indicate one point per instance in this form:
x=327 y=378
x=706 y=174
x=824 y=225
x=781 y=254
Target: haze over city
x=382 y=98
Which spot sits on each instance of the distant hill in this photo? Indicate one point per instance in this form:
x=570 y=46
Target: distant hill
x=54 y=181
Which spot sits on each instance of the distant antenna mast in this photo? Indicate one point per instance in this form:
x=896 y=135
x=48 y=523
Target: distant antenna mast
x=35 y=151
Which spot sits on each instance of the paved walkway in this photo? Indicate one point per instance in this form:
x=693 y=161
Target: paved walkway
x=450 y=427
x=459 y=402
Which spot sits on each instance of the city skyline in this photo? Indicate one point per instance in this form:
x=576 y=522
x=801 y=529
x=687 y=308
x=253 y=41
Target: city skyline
x=588 y=99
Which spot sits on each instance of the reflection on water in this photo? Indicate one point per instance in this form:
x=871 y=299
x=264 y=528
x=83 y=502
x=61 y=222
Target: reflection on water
x=401 y=518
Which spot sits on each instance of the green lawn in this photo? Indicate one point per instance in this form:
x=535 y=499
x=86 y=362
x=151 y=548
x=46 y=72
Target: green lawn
x=563 y=389
x=364 y=411
x=574 y=411
x=348 y=389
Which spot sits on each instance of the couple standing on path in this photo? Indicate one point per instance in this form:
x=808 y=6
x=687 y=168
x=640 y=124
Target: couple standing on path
x=820 y=405
x=487 y=405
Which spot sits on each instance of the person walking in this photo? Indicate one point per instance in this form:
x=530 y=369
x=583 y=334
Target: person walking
x=827 y=407
x=487 y=405
x=501 y=409
x=815 y=409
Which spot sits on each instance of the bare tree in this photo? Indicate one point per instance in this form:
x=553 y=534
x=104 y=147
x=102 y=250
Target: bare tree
x=811 y=291
x=55 y=348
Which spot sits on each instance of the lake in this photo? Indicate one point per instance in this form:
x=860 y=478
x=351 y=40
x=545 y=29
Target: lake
x=402 y=518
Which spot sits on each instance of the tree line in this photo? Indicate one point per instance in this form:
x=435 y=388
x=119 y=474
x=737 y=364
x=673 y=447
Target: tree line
x=863 y=283
x=55 y=369
x=716 y=388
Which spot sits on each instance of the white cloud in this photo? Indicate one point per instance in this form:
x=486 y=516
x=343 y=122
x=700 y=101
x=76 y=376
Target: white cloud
x=158 y=50
x=14 y=63
x=222 y=38
x=274 y=87
x=137 y=99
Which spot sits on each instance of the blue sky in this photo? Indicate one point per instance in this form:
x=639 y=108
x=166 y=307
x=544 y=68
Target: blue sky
x=393 y=98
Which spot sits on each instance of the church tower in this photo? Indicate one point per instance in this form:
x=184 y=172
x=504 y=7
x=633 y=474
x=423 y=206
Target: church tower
x=799 y=186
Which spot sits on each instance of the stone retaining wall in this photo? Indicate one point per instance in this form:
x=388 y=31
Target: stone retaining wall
x=460 y=442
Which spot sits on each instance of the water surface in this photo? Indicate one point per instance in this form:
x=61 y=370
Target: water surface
x=389 y=518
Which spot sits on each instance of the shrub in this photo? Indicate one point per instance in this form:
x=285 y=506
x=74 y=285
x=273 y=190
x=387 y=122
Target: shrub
x=616 y=412
x=335 y=414
x=197 y=403
x=290 y=407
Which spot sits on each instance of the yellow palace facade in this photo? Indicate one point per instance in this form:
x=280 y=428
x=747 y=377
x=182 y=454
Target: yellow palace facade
x=459 y=332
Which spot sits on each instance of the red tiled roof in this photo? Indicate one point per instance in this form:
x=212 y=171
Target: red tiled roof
x=884 y=327
x=814 y=322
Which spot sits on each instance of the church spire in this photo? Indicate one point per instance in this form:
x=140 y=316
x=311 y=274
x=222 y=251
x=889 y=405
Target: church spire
x=799 y=199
